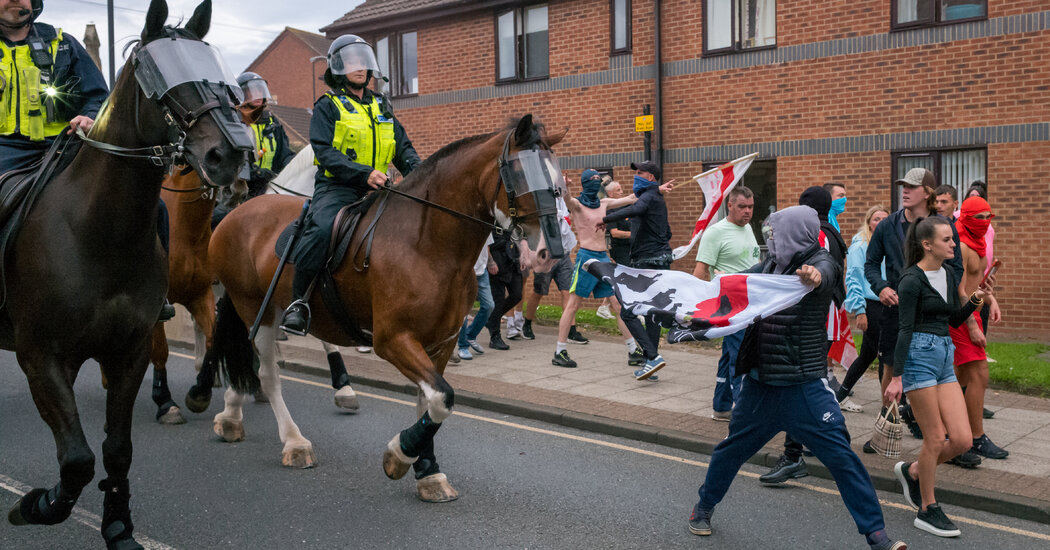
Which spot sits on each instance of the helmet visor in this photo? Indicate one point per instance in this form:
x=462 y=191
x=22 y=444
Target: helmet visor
x=256 y=89
x=353 y=57
x=166 y=63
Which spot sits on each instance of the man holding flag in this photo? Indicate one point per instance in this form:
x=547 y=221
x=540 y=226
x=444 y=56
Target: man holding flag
x=728 y=246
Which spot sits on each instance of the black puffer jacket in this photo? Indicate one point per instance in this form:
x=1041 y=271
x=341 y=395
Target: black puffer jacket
x=790 y=347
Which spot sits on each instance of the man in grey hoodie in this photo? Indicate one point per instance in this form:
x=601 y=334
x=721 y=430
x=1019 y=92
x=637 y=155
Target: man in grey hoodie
x=785 y=384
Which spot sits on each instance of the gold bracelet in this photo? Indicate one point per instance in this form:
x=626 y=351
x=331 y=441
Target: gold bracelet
x=976 y=302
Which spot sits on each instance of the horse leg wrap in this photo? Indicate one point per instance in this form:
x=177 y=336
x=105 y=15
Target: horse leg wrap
x=161 y=393
x=339 y=376
x=44 y=506
x=427 y=464
x=117 y=528
x=416 y=436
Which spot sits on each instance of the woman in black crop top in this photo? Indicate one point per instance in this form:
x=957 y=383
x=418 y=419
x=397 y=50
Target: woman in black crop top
x=929 y=302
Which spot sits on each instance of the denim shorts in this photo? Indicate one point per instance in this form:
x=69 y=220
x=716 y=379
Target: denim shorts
x=929 y=362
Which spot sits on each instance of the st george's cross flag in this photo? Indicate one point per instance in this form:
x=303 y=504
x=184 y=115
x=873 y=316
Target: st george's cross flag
x=699 y=310
x=715 y=185
x=842 y=350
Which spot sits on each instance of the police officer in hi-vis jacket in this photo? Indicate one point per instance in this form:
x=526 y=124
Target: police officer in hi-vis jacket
x=355 y=137
x=48 y=84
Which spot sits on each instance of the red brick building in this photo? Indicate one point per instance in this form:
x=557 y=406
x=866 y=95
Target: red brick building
x=855 y=91
x=291 y=65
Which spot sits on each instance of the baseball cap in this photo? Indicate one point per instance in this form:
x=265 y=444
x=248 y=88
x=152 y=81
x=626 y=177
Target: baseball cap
x=917 y=177
x=588 y=174
x=647 y=166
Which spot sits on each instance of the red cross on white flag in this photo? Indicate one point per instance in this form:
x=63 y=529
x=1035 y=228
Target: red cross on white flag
x=715 y=185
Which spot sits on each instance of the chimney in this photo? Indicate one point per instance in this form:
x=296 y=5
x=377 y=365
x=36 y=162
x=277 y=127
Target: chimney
x=92 y=43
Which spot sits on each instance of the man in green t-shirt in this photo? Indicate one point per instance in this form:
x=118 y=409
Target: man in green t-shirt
x=728 y=246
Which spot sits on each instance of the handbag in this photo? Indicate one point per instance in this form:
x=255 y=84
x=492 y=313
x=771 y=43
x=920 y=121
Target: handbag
x=889 y=431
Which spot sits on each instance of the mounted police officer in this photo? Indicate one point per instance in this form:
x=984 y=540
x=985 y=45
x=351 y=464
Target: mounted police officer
x=48 y=84
x=355 y=138
x=272 y=152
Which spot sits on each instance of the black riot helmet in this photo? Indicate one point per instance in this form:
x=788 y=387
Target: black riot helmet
x=347 y=54
x=38 y=6
x=254 y=87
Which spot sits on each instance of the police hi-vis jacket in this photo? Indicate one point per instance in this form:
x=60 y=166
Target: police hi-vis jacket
x=40 y=94
x=351 y=137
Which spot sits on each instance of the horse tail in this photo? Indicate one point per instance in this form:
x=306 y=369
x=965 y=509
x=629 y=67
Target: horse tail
x=231 y=351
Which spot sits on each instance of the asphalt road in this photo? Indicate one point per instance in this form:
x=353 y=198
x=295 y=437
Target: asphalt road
x=522 y=484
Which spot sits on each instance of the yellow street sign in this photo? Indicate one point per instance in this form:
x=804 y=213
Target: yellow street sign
x=643 y=123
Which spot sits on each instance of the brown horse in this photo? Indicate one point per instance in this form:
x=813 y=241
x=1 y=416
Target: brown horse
x=190 y=204
x=86 y=276
x=411 y=298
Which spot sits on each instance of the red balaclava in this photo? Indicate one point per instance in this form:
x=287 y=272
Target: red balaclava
x=971 y=230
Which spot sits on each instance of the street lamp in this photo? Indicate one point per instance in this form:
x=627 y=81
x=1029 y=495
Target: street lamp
x=313 y=73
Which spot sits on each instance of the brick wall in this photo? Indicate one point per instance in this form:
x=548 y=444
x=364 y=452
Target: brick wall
x=992 y=80
x=286 y=68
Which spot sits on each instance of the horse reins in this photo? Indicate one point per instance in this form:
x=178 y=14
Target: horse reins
x=488 y=225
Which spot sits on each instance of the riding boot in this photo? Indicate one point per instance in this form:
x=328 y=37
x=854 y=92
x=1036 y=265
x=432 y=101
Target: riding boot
x=296 y=318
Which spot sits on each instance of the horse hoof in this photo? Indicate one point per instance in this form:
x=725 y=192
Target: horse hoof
x=345 y=398
x=395 y=462
x=435 y=488
x=260 y=397
x=172 y=417
x=14 y=516
x=231 y=431
x=198 y=403
x=299 y=457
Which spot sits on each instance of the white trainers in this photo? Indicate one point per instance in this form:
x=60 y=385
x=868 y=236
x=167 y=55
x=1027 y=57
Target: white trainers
x=364 y=349
x=847 y=404
x=604 y=312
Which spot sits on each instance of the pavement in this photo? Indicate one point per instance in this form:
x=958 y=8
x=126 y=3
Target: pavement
x=602 y=396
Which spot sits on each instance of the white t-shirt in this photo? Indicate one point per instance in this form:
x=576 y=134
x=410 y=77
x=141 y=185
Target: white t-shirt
x=939 y=281
x=482 y=264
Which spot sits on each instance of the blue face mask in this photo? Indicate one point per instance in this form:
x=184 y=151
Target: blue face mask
x=641 y=183
x=589 y=196
x=838 y=206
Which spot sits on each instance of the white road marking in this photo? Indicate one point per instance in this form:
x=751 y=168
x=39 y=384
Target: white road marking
x=80 y=515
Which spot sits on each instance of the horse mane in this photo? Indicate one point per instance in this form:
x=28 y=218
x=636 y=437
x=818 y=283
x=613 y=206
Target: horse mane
x=536 y=136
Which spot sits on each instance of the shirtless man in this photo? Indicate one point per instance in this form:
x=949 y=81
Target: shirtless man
x=971 y=362
x=587 y=212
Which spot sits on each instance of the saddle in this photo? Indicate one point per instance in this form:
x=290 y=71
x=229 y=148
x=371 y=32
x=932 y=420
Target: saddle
x=343 y=229
x=19 y=190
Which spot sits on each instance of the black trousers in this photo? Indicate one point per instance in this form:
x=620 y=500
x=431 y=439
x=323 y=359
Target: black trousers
x=506 y=293
x=648 y=338
x=869 y=348
x=311 y=250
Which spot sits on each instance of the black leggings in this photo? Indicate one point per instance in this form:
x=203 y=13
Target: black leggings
x=869 y=348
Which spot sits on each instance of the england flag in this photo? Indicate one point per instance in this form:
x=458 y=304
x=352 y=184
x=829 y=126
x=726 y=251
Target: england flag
x=699 y=310
x=715 y=184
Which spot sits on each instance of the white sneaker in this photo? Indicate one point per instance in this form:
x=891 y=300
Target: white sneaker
x=364 y=349
x=603 y=312
x=847 y=404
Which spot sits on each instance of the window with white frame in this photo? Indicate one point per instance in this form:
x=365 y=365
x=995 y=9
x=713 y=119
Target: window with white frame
x=957 y=168
x=921 y=13
x=398 y=61
x=522 y=44
x=734 y=25
x=761 y=179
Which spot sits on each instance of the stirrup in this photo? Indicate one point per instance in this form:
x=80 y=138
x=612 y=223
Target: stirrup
x=299 y=309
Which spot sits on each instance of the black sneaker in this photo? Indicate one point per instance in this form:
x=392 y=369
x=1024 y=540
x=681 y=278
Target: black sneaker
x=784 y=470
x=561 y=359
x=636 y=358
x=916 y=431
x=909 y=419
x=932 y=520
x=496 y=342
x=575 y=337
x=969 y=459
x=867 y=448
x=526 y=330
x=984 y=447
x=988 y=414
x=909 y=485
x=700 y=521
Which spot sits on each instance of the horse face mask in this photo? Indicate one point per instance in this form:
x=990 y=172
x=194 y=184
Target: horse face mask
x=535 y=173
x=166 y=63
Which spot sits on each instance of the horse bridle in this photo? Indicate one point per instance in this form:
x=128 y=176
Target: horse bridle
x=178 y=119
